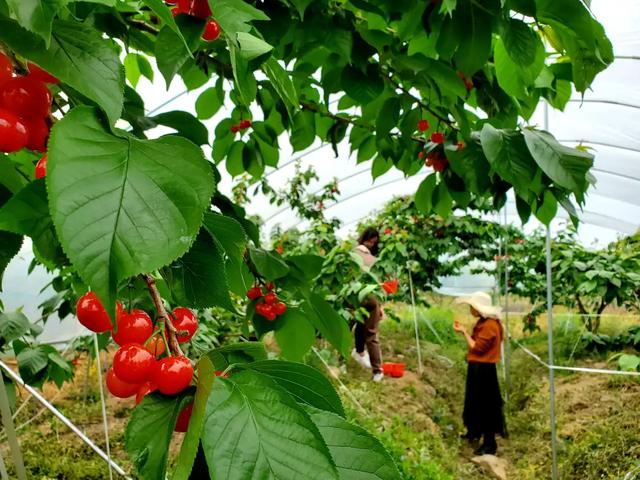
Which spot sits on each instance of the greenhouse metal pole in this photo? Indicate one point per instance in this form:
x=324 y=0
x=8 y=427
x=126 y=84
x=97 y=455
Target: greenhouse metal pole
x=10 y=430
x=103 y=403
x=38 y=396
x=3 y=469
x=415 y=320
x=550 y=361
x=507 y=349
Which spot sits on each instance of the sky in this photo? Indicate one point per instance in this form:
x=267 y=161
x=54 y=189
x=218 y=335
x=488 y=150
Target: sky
x=607 y=119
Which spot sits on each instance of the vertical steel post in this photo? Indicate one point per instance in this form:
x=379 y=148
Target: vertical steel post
x=415 y=320
x=9 y=428
x=550 y=361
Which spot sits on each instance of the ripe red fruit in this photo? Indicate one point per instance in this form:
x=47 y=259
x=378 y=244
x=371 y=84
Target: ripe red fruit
x=38 y=134
x=185 y=320
x=270 y=298
x=270 y=315
x=182 y=423
x=155 y=346
x=270 y=286
x=143 y=390
x=27 y=97
x=170 y=2
x=185 y=5
x=254 y=293
x=118 y=388
x=211 y=31
x=461 y=145
x=200 y=9
x=280 y=249
x=280 y=308
x=244 y=124
x=173 y=374
x=423 y=125
x=36 y=72
x=440 y=163
x=133 y=363
x=13 y=132
x=6 y=69
x=390 y=286
x=468 y=84
x=387 y=231
x=41 y=171
x=133 y=327
x=421 y=155
x=90 y=311
x=437 y=137
x=235 y=128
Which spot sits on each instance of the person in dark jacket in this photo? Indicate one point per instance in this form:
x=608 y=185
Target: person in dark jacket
x=483 y=414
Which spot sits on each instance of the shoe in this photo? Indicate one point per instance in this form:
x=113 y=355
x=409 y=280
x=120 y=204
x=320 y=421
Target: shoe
x=363 y=361
x=485 y=449
x=378 y=377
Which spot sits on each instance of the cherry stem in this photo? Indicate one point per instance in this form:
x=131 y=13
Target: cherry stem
x=163 y=316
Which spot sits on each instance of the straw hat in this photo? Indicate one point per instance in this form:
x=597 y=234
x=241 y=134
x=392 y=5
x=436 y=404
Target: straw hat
x=482 y=303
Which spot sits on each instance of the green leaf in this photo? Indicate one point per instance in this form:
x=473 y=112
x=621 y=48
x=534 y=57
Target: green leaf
x=171 y=50
x=267 y=264
x=521 y=42
x=103 y=187
x=568 y=167
x=295 y=335
x=234 y=163
x=380 y=166
x=308 y=267
x=507 y=72
x=189 y=448
x=198 y=279
x=508 y=155
x=357 y=453
x=251 y=46
x=424 y=194
x=629 y=362
x=79 y=56
x=303 y=132
x=245 y=80
x=367 y=149
x=208 y=103
x=13 y=325
x=27 y=213
x=244 y=435
x=31 y=364
x=159 y=8
x=247 y=352
x=327 y=321
x=471 y=165
x=388 y=116
x=36 y=15
x=228 y=232
x=185 y=124
x=282 y=84
x=362 y=87
x=306 y=384
x=547 y=210
x=301 y=6
x=149 y=432
x=442 y=201
x=131 y=69
x=10 y=244
x=234 y=16
x=474 y=23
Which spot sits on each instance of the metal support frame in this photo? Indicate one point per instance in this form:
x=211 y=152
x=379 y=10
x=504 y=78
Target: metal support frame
x=38 y=396
x=9 y=427
x=415 y=320
x=103 y=403
x=552 y=387
x=506 y=343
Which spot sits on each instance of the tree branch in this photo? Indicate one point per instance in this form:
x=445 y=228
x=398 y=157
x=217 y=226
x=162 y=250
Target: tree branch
x=174 y=345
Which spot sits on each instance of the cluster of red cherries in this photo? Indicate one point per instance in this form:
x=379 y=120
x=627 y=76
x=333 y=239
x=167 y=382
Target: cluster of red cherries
x=268 y=304
x=198 y=9
x=137 y=368
x=25 y=110
x=241 y=125
x=390 y=286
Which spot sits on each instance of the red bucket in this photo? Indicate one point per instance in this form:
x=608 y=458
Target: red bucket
x=391 y=369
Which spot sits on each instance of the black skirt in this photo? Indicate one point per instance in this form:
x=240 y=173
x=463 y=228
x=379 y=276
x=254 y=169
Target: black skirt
x=483 y=413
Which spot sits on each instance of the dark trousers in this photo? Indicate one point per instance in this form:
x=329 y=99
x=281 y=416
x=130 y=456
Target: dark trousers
x=483 y=414
x=366 y=334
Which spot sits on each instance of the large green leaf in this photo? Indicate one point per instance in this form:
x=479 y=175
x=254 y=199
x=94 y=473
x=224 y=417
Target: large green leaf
x=268 y=265
x=198 y=279
x=295 y=335
x=10 y=244
x=521 y=42
x=208 y=103
x=32 y=363
x=304 y=130
x=171 y=50
x=255 y=430
x=185 y=124
x=362 y=87
x=164 y=13
x=27 y=213
x=331 y=325
x=474 y=24
x=471 y=165
x=306 y=384
x=189 y=448
x=424 y=194
x=307 y=267
x=228 y=232
x=234 y=16
x=103 y=188
x=78 y=55
x=282 y=84
x=251 y=46
x=13 y=325
x=246 y=352
x=568 y=167
x=149 y=432
x=357 y=453
x=388 y=116
x=508 y=155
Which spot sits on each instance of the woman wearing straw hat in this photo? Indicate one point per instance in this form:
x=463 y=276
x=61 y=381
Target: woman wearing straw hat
x=483 y=415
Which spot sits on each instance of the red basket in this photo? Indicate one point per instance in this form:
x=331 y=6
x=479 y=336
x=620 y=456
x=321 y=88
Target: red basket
x=391 y=369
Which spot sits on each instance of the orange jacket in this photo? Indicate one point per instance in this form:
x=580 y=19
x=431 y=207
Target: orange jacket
x=488 y=336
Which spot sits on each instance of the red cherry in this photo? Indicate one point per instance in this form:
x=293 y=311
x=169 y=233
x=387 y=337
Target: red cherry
x=27 y=97
x=423 y=125
x=41 y=171
x=254 y=293
x=235 y=128
x=143 y=390
x=437 y=137
x=201 y=9
x=270 y=286
x=461 y=145
x=175 y=12
x=182 y=424
x=6 y=69
x=270 y=298
x=38 y=134
x=440 y=163
x=90 y=311
x=280 y=308
x=133 y=363
x=270 y=315
x=38 y=73
x=13 y=132
x=244 y=124
x=133 y=327
x=118 y=388
x=185 y=6
x=185 y=320
x=155 y=346
x=170 y=2
x=261 y=309
x=280 y=249
x=387 y=231
x=421 y=155
x=173 y=374
x=211 y=31
x=220 y=373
